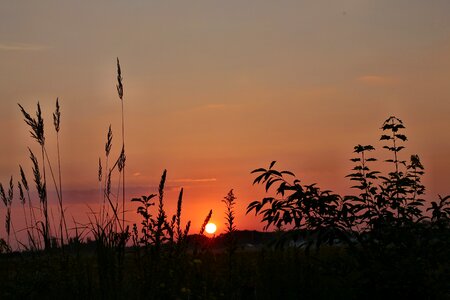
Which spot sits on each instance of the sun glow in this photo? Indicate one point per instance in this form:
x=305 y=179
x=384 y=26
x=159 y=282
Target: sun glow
x=210 y=228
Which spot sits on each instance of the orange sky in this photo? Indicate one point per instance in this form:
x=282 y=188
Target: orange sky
x=216 y=89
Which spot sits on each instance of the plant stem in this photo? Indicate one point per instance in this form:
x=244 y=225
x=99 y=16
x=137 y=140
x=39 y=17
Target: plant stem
x=62 y=216
x=44 y=204
x=123 y=170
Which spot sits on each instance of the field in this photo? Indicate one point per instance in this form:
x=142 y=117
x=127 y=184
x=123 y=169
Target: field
x=79 y=272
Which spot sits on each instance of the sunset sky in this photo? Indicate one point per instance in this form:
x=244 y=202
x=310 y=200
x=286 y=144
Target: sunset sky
x=215 y=89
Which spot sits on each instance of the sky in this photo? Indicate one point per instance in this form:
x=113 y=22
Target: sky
x=215 y=89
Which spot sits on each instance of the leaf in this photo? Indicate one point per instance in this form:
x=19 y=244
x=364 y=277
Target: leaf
x=369 y=148
x=270 y=182
x=358 y=149
x=288 y=173
x=274 y=172
x=401 y=137
x=258 y=170
x=258 y=179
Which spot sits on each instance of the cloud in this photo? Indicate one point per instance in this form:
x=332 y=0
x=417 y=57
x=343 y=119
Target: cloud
x=95 y=196
x=21 y=47
x=377 y=80
x=208 y=107
x=213 y=106
x=190 y=180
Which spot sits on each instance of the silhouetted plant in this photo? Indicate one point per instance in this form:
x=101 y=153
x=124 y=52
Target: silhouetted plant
x=37 y=133
x=164 y=243
x=388 y=235
x=7 y=200
x=42 y=193
x=384 y=200
x=122 y=154
x=229 y=201
x=205 y=222
x=319 y=213
x=62 y=219
x=230 y=242
x=365 y=204
x=440 y=212
x=144 y=210
x=157 y=230
x=110 y=249
x=34 y=242
x=401 y=186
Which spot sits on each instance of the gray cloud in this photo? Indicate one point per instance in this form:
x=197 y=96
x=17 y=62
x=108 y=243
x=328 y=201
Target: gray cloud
x=21 y=47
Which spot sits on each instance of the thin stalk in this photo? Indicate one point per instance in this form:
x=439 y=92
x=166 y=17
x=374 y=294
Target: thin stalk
x=58 y=191
x=123 y=170
x=104 y=198
x=63 y=217
x=32 y=220
x=44 y=204
x=397 y=177
x=15 y=236
x=54 y=224
x=22 y=201
x=120 y=94
x=25 y=216
x=114 y=210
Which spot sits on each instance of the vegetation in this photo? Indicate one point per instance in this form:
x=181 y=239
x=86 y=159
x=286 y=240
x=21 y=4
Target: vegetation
x=394 y=246
x=380 y=241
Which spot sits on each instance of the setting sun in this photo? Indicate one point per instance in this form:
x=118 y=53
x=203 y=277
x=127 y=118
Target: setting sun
x=210 y=228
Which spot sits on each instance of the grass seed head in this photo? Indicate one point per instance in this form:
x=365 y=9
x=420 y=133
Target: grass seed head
x=57 y=116
x=119 y=81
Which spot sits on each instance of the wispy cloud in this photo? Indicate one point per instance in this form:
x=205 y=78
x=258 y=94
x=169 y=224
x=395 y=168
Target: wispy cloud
x=213 y=106
x=21 y=47
x=95 y=196
x=190 y=180
x=377 y=80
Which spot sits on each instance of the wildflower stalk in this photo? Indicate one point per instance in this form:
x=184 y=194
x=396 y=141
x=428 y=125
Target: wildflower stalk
x=120 y=94
x=62 y=221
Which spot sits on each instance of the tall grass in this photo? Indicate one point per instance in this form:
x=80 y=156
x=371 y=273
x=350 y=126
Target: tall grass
x=122 y=154
x=62 y=219
x=7 y=200
x=34 y=243
x=40 y=177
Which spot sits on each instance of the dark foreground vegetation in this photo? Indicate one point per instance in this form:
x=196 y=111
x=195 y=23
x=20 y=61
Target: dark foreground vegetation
x=385 y=241
x=416 y=270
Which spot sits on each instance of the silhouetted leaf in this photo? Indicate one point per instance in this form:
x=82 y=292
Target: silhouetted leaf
x=287 y=173
x=258 y=170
